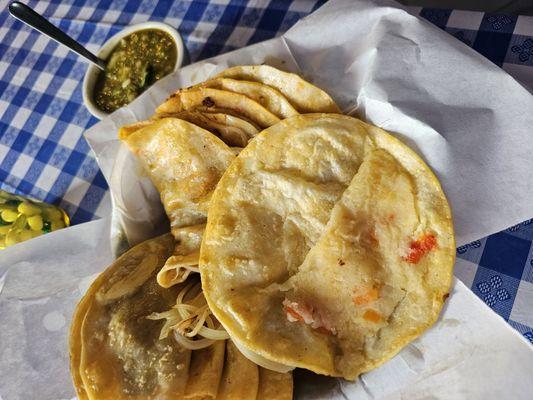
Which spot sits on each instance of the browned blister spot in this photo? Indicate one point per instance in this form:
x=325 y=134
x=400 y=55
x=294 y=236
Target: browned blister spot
x=208 y=102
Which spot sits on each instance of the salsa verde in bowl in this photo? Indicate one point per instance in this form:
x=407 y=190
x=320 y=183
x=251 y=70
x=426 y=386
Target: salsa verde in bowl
x=136 y=58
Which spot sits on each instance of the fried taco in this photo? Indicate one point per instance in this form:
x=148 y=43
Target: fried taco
x=131 y=338
x=329 y=246
x=304 y=96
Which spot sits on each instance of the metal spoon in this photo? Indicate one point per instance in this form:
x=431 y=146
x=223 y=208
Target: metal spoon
x=25 y=14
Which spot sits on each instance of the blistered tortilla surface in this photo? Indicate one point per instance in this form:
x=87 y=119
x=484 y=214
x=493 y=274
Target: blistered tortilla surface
x=232 y=130
x=304 y=96
x=265 y=95
x=185 y=163
x=329 y=245
x=206 y=98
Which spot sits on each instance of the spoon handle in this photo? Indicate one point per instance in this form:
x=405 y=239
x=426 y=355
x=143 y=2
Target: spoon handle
x=25 y=14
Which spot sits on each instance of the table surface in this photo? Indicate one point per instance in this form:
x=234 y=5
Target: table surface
x=42 y=118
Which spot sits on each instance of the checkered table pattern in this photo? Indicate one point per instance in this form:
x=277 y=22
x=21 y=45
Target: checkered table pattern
x=44 y=155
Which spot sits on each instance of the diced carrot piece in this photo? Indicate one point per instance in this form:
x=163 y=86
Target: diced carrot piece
x=419 y=248
x=364 y=296
x=372 y=316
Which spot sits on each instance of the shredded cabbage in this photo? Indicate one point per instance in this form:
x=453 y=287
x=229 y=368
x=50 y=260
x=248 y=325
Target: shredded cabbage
x=260 y=360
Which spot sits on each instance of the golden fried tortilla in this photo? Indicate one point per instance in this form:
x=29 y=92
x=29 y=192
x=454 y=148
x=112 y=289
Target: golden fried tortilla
x=274 y=385
x=234 y=131
x=118 y=348
x=267 y=96
x=240 y=378
x=185 y=163
x=205 y=372
x=206 y=98
x=329 y=246
x=304 y=96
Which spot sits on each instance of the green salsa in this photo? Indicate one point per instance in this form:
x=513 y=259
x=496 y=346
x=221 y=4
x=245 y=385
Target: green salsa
x=135 y=63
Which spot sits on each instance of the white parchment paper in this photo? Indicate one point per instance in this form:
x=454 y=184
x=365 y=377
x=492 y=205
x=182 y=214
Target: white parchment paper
x=468 y=119
x=41 y=281
x=470 y=353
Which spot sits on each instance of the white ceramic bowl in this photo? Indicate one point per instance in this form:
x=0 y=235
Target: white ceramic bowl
x=91 y=75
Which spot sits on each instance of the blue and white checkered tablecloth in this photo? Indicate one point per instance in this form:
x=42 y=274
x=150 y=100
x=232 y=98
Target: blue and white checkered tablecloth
x=44 y=155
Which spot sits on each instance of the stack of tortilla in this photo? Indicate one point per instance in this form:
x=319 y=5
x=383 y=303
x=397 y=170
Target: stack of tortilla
x=117 y=350
x=320 y=241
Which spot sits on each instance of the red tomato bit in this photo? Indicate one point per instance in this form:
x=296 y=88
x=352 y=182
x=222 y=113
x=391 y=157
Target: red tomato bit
x=419 y=248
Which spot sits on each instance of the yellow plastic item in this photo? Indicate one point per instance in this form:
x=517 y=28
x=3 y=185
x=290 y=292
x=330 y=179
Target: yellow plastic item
x=57 y=225
x=12 y=238
x=53 y=214
x=23 y=219
x=28 y=209
x=35 y=222
x=9 y=216
x=26 y=235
